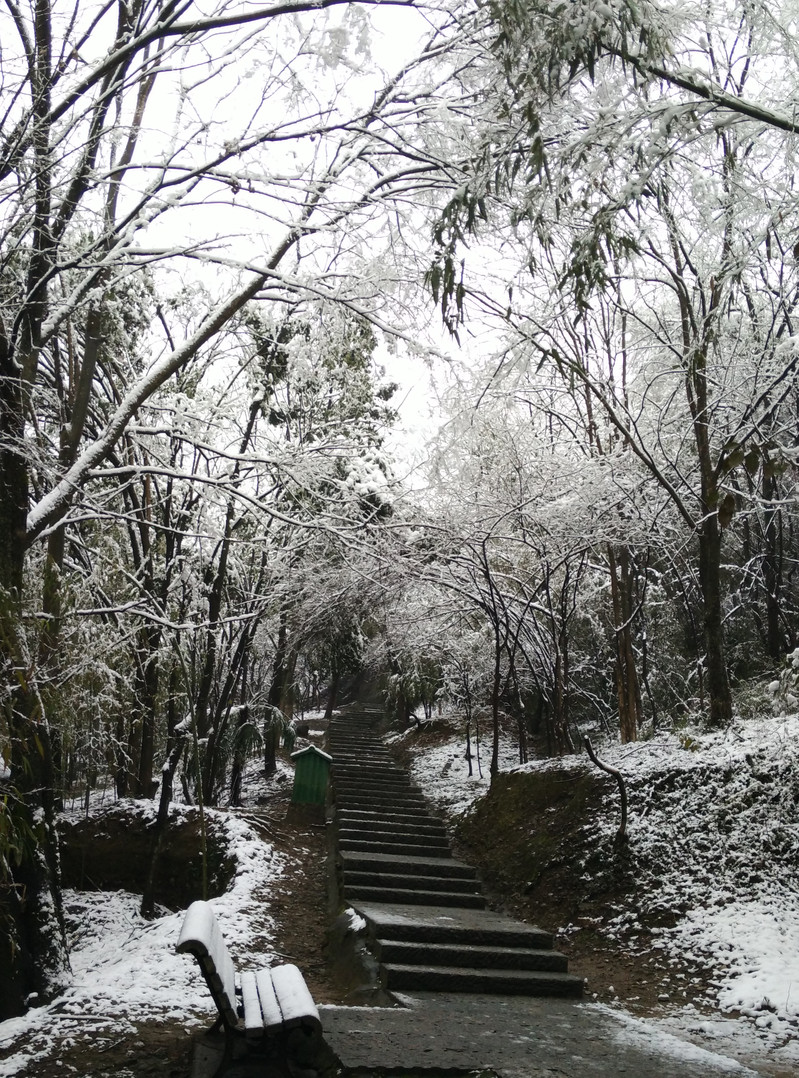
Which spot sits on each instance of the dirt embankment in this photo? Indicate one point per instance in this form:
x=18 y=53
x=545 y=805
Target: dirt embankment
x=541 y=859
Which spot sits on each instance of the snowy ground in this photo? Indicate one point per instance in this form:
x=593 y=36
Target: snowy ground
x=125 y=968
x=714 y=824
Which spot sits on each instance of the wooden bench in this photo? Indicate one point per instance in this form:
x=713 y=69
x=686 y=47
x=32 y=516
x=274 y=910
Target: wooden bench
x=267 y=1010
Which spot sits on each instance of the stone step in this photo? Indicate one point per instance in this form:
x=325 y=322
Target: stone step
x=362 y=761
x=412 y=849
x=444 y=899
x=363 y=769
x=356 y=734
x=375 y=786
x=364 y=765
x=363 y=774
x=421 y=826
x=383 y=812
x=429 y=925
x=409 y=812
x=360 y=771
x=407 y=823
x=354 y=739
x=383 y=797
x=412 y=809
x=394 y=862
x=406 y=882
x=374 y=778
x=410 y=803
x=361 y=751
x=402 y=838
x=470 y=956
x=509 y=982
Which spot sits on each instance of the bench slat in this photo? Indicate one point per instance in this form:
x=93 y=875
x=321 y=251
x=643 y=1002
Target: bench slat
x=270 y=1008
x=253 y=1020
x=296 y=1002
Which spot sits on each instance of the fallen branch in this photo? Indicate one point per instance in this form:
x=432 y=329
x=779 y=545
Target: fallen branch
x=621 y=834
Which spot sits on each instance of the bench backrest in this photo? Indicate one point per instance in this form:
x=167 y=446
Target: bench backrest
x=202 y=937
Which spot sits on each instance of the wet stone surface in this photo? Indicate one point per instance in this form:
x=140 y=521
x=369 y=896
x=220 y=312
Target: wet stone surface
x=512 y=1038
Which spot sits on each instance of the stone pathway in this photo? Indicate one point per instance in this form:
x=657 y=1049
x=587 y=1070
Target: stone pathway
x=428 y=925
x=511 y=1037
x=488 y=973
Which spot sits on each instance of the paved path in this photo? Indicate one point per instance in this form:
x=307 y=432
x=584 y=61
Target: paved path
x=514 y=1038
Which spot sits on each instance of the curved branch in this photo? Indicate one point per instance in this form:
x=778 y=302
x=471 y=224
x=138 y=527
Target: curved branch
x=621 y=834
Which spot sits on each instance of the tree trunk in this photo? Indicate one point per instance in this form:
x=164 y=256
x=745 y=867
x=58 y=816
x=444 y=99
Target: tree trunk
x=270 y=748
x=560 y=706
x=280 y=665
x=178 y=741
x=718 y=685
x=627 y=685
x=772 y=565
x=33 y=950
x=469 y=754
x=215 y=755
x=49 y=643
x=332 y=693
x=495 y=690
x=146 y=705
x=239 y=757
x=121 y=758
x=277 y=691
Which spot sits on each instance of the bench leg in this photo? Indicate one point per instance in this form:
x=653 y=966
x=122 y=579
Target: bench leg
x=227 y=1057
x=228 y=1053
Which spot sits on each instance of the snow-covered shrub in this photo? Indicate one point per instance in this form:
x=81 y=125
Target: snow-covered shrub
x=785 y=691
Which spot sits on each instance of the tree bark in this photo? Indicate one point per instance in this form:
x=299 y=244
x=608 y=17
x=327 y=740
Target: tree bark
x=627 y=684
x=496 y=684
x=33 y=954
x=718 y=684
x=772 y=566
x=177 y=742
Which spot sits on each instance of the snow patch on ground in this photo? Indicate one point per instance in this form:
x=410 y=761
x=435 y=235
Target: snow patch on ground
x=442 y=771
x=643 y=1034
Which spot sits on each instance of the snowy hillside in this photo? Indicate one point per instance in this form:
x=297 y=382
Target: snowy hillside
x=713 y=855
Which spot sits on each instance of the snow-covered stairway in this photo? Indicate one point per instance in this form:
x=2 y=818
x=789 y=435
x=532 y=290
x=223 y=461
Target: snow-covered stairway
x=427 y=918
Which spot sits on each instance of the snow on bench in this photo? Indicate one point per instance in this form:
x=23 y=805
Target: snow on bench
x=268 y=1008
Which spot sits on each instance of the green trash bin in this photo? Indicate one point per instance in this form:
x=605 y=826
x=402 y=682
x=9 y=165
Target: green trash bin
x=311 y=772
